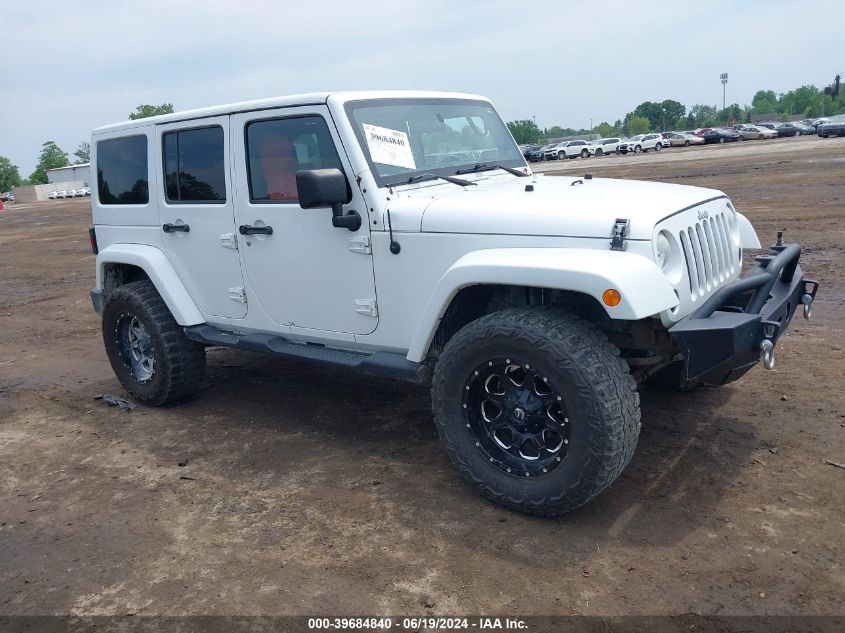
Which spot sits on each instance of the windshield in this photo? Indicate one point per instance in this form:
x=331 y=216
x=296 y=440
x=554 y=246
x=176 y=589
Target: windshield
x=406 y=137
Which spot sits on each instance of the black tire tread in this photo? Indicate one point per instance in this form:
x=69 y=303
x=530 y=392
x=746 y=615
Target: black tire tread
x=184 y=360
x=616 y=415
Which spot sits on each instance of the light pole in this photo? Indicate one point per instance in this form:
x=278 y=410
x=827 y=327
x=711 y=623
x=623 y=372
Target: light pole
x=724 y=78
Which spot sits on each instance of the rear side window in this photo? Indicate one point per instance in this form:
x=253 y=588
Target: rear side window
x=277 y=148
x=122 y=176
x=194 y=168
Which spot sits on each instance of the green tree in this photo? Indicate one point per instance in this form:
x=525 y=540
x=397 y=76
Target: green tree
x=605 y=129
x=9 y=175
x=700 y=115
x=764 y=101
x=651 y=111
x=51 y=156
x=83 y=153
x=524 y=131
x=674 y=112
x=637 y=125
x=145 y=110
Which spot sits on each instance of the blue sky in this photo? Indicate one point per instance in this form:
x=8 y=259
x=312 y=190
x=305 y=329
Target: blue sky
x=73 y=66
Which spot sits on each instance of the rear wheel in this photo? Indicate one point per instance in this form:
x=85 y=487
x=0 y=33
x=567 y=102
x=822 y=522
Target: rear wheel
x=599 y=152
x=686 y=143
x=148 y=351
x=536 y=409
x=721 y=139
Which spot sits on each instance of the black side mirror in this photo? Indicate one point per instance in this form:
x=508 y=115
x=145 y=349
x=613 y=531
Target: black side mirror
x=320 y=188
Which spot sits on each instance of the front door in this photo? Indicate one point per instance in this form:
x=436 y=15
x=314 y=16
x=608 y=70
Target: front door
x=196 y=209
x=304 y=272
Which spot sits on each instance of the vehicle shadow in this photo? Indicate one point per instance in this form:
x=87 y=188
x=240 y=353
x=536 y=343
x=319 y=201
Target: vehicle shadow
x=359 y=429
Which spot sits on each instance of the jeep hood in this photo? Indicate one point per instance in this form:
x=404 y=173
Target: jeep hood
x=558 y=206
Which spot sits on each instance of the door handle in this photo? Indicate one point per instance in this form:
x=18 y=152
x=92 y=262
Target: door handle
x=172 y=228
x=246 y=229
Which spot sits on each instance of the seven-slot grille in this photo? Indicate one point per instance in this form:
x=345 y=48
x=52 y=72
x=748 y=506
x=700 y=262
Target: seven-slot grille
x=710 y=254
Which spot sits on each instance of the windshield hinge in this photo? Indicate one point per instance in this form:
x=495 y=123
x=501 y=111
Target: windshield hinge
x=619 y=234
x=367 y=307
x=360 y=244
x=237 y=294
x=228 y=240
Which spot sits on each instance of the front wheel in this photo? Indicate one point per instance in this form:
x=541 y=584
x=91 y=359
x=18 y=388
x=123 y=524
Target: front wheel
x=148 y=351
x=585 y=153
x=599 y=152
x=536 y=409
x=658 y=147
x=638 y=149
x=686 y=143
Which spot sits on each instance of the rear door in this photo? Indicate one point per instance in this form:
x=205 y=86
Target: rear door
x=196 y=209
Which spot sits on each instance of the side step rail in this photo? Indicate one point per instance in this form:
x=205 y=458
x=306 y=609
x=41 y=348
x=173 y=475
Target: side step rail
x=386 y=364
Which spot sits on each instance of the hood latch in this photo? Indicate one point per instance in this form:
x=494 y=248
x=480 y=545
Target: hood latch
x=619 y=234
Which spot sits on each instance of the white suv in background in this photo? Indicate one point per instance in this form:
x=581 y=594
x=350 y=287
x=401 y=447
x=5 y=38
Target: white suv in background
x=568 y=149
x=642 y=143
x=604 y=146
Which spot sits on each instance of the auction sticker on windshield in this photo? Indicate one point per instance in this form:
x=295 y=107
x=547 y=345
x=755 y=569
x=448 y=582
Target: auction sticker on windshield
x=389 y=147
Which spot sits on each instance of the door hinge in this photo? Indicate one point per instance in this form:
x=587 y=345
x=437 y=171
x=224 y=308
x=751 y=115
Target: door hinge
x=237 y=294
x=367 y=307
x=619 y=234
x=229 y=240
x=360 y=244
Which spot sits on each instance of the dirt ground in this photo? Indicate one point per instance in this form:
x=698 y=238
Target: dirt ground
x=290 y=489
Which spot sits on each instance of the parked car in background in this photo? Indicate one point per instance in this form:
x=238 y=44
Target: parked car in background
x=87 y=190
x=539 y=154
x=604 y=146
x=665 y=139
x=835 y=126
x=80 y=192
x=748 y=131
x=770 y=125
x=642 y=143
x=788 y=129
x=53 y=195
x=527 y=148
x=685 y=139
x=6 y=196
x=720 y=135
x=63 y=193
x=568 y=149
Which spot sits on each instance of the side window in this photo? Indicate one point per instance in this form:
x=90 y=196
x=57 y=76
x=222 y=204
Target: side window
x=277 y=148
x=122 y=176
x=194 y=165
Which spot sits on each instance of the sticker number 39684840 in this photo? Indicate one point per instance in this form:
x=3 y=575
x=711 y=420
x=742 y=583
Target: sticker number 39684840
x=389 y=147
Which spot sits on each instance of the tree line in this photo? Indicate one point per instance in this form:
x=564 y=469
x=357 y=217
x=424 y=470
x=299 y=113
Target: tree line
x=658 y=116
x=52 y=156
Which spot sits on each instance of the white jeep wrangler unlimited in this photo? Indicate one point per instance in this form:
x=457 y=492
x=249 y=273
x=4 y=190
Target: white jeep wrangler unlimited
x=403 y=234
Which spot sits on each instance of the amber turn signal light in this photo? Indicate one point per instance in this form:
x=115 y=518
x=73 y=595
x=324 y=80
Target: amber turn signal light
x=611 y=297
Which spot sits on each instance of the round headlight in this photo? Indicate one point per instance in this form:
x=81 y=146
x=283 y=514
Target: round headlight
x=662 y=250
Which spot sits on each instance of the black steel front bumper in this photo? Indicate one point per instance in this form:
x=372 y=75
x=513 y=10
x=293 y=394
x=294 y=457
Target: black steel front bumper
x=740 y=323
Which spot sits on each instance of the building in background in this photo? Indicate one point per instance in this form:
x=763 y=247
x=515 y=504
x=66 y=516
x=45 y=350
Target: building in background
x=70 y=173
x=70 y=177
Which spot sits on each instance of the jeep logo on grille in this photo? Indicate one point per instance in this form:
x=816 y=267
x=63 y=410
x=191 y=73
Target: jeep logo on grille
x=703 y=214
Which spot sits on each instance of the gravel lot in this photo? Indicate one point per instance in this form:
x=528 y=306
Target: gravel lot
x=290 y=489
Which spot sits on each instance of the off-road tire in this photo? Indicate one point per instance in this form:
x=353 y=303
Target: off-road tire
x=585 y=369
x=179 y=362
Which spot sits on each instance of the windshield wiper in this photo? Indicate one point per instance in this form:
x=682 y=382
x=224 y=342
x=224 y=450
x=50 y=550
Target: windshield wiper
x=488 y=167
x=422 y=177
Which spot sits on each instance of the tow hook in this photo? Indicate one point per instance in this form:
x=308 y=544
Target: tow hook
x=807 y=300
x=767 y=353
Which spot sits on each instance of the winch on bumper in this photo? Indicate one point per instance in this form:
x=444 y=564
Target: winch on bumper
x=740 y=323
